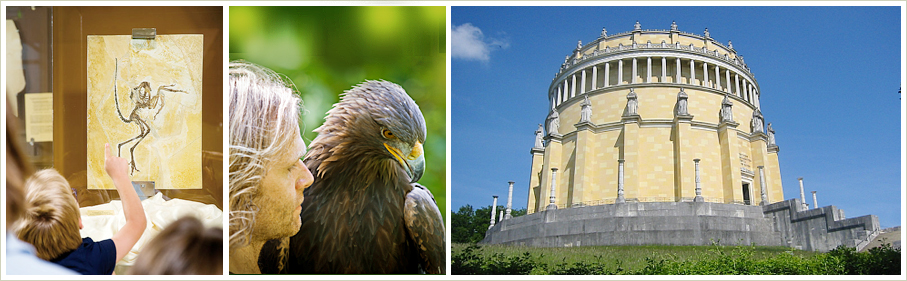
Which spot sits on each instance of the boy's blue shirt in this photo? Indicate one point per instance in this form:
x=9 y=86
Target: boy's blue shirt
x=91 y=258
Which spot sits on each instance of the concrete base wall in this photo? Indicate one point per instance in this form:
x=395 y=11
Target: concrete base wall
x=821 y=229
x=688 y=223
x=672 y=223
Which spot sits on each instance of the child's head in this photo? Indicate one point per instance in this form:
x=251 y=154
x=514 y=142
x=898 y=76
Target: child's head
x=185 y=247
x=52 y=220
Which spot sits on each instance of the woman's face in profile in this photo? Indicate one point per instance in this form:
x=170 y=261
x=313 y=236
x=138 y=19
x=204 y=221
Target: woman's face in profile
x=280 y=196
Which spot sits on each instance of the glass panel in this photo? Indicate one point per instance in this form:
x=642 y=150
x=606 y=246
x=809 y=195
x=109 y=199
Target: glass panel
x=30 y=77
x=71 y=28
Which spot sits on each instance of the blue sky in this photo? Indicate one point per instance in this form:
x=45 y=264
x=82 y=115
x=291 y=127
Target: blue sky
x=829 y=79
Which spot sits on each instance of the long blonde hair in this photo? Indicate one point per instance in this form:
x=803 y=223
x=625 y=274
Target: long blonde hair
x=264 y=121
x=51 y=220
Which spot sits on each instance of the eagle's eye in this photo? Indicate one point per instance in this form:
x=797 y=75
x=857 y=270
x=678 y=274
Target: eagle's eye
x=387 y=134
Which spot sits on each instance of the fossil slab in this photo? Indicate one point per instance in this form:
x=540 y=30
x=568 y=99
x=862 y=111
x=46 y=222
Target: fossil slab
x=144 y=98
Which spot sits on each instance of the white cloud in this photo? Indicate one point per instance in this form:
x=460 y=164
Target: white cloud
x=468 y=43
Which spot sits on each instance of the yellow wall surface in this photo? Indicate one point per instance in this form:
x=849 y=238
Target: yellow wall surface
x=614 y=42
x=608 y=107
x=776 y=193
x=704 y=145
x=656 y=165
x=565 y=174
x=656 y=102
x=604 y=179
x=569 y=115
x=534 y=183
x=654 y=38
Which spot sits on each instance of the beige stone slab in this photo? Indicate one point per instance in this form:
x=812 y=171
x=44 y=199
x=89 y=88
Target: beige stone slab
x=170 y=154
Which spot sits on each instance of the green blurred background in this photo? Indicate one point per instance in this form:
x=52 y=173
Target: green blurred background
x=328 y=50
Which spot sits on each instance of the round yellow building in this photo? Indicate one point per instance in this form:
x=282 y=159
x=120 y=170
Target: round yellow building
x=654 y=116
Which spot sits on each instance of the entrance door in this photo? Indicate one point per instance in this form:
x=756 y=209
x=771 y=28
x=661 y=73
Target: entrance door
x=746 y=194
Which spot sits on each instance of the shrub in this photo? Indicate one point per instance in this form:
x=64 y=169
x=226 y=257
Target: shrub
x=717 y=260
x=876 y=261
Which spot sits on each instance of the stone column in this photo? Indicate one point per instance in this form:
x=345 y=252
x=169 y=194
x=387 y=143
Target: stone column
x=607 y=75
x=583 y=84
x=594 y=76
x=698 y=197
x=802 y=196
x=551 y=205
x=762 y=185
x=756 y=96
x=815 y=203
x=717 y=85
x=649 y=70
x=727 y=76
x=705 y=74
x=692 y=71
x=746 y=90
x=677 y=74
x=566 y=93
x=551 y=158
x=620 y=72
x=620 y=181
x=509 y=200
x=664 y=69
x=634 y=72
x=557 y=98
x=573 y=86
x=737 y=84
x=752 y=93
x=501 y=215
x=494 y=207
x=750 y=89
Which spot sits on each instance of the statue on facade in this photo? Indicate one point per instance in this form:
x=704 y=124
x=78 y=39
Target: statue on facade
x=579 y=44
x=730 y=44
x=727 y=114
x=586 y=111
x=707 y=33
x=771 y=134
x=682 y=103
x=673 y=26
x=604 y=32
x=757 y=122
x=632 y=103
x=538 y=137
x=553 y=123
x=637 y=26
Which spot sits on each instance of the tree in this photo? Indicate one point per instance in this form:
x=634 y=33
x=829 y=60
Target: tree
x=469 y=225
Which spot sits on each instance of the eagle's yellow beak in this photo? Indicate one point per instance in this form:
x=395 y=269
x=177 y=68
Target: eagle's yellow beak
x=413 y=162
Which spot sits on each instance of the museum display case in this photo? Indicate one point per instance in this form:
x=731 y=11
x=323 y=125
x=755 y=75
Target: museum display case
x=146 y=80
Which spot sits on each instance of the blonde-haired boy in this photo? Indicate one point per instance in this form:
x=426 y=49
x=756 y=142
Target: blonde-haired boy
x=52 y=221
